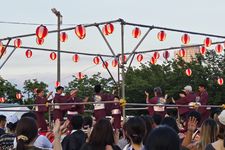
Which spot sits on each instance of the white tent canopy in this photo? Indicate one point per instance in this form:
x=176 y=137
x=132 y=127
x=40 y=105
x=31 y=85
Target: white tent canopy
x=9 y=111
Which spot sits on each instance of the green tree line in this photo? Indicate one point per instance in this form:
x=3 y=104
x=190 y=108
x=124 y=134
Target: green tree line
x=170 y=76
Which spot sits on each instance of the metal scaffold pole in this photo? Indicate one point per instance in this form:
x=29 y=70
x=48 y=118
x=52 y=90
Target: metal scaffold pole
x=123 y=69
x=59 y=22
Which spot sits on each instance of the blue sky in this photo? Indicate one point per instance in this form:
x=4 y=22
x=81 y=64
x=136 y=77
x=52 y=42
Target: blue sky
x=194 y=15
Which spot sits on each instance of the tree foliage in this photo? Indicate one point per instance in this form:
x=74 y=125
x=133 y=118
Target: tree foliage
x=30 y=86
x=86 y=85
x=171 y=77
x=8 y=91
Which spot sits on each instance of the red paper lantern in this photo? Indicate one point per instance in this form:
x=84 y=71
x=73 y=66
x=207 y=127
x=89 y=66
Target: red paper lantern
x=80 y=31
x=57 y=83
x=161 y=35
x=166 y=55
x=185 y=39
x=105 y=64
x=1 y=46
x=202 y=50
x=17 y=43
x=105 y=31
x=140 y=57
x=53 y=56
x=2 y=99
x=41 y=31
x=136 y=32
x=182 y=52
x=109 y=28
x=18 y=96
x=207 y=42
x=75 y=58
x=80 y=75
x=63 y=37
x=114 y=62
x=220 y=81
x=156 y=55
x=153 y=60
x=28 y=53
x=40 y=41
x=2 y=51
x=124 y=58
x=96 y=60
x=188 y=72
x=219 y=48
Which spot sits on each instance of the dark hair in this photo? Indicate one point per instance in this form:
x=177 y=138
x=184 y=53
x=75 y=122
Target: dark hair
x=136 y=130
x=97 y=88
x=2 y=118
x=76 y=122
x=157 y=118
x=88 y=121
x=117 y=97
x=182 y=92
x=101 y=135
x=171 y=122
x=149 y=125
x=202 y=85
x=11 y=126
x=39 y=91
x=195 y=114
x=26 y=128
x=158 y=91
x=29 y=115
x=59 y=88
x=163 y=138
x=215 y=111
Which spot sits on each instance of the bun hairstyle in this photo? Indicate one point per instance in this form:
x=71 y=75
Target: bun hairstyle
x=26 y=132
x=136 y=130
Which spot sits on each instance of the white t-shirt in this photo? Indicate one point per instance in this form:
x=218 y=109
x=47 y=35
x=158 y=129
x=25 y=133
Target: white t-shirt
x=129 y=147
x=41 y=142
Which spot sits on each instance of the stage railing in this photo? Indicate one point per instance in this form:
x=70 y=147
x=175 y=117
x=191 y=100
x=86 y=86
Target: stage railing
x=134 y=106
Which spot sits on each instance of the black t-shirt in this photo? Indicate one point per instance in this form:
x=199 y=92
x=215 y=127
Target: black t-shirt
x=209 y=147
x=92 y=147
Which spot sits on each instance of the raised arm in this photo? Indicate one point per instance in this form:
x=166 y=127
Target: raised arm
x=192 y=126
x=147 y=96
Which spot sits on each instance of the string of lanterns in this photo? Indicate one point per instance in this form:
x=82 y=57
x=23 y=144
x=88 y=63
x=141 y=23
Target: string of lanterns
x=107 y=29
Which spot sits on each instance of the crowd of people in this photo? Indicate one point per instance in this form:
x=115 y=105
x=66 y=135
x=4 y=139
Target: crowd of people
x=179 y=128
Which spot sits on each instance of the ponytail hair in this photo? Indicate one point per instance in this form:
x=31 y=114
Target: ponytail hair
x=21 y=142
x=26 y=132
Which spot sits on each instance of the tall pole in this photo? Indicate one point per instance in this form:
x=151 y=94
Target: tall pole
x=59 y=21
x=58 y=48
x=122 y=67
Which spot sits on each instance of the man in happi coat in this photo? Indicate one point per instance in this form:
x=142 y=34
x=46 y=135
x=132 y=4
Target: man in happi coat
x=41 y=110
x=60 y=110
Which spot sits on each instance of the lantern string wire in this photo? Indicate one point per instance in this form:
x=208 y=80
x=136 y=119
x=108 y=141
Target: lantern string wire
x=125 y=23
x=104 y=55
x=62 y=51
x=173 y=48
x=36 y=24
